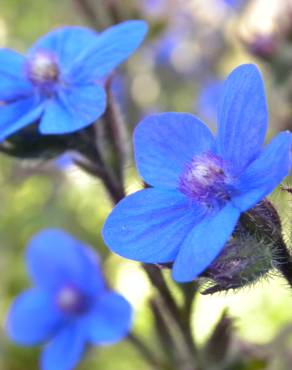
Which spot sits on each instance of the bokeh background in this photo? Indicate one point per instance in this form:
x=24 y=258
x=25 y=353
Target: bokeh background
x=191 y=47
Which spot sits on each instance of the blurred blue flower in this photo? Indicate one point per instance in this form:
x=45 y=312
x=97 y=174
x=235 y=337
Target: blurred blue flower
x=208 y=100
x=69 y=306
x=200 y=184
x=235 y=4
x=60 y=80
x=64 y=161
x=165 y=47
x=155 y=7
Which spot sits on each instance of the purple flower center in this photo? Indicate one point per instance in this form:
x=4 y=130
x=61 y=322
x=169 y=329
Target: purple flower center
x=206 y=180
x=43 y=70
x=72 y=301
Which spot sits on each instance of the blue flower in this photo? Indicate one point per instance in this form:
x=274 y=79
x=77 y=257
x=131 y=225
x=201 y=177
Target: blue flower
x=69 y=306
x=200 y=184
x=60 y=81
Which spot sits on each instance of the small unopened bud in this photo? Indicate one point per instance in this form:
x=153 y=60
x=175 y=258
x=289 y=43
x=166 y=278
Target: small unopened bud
x=263 y=46
x=255 y=248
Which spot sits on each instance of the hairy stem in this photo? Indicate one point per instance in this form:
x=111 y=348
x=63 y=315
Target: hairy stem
x=285 y=262
x=114 y=126
x=183 y=325
x=95 y=164
x=100 y=171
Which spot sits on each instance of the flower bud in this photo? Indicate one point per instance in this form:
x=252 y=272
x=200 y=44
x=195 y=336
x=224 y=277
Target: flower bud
x=253 y=251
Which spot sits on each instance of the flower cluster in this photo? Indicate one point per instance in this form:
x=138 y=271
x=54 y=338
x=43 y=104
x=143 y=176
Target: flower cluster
x=199 y=184
x=203 y=204
x=69 y=306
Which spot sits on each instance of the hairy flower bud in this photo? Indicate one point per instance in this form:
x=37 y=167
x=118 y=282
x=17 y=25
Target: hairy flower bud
x=255 y=248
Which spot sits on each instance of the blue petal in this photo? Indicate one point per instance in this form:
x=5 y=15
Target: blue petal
x=165 y=143
x=204 y=243
x=75 y=108
x=15 y=116
x=12 y=77
x=13 y=89
x=55 y=259
x=110 y=321
x=11 y=63
x=67 y=43
x=150 y=225
x=113 y=46
x=266 y=172
x=65 y=351
x=33 y=318
x=242 y=117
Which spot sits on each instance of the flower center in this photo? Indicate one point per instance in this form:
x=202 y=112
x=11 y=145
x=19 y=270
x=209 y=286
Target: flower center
x=206 y=180
x=43 y=69
x=72 y=301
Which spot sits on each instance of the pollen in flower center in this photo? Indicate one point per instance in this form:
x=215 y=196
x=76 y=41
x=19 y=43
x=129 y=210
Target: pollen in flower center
x=71 y=301
x=206 y=180
x=42 y=68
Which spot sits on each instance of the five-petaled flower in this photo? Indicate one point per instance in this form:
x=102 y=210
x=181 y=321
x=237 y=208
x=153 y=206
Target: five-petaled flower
x=70 y=305
x=200 y=184
x=60 y=81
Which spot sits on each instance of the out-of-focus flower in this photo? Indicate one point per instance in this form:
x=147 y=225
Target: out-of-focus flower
x=200 y=184
x=60 y=80
x=208 y=100
x=67 y=160
x=69 y=306
x=235 y=4
x=265 y=26
x=176 y=49
x=155 y=8
x=264 y=46
x=64 y=161
x=165 y=47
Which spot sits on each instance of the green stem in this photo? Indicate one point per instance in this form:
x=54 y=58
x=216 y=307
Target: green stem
x=184 y=329
x=163 y=333
x=96 y=166
x=114 y=126
x=146 y=353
